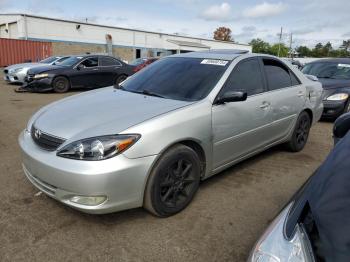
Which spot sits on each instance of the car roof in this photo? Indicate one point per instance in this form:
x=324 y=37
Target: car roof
x=227 y=54
x=332 y=60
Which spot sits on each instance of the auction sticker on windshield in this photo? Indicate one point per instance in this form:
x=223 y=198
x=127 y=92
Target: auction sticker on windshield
x=214 y=62
x=343 y=65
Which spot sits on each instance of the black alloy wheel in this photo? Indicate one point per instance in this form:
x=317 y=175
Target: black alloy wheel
x=119 y=79
x=60 y=84
x=173 y=181
x=301 y=132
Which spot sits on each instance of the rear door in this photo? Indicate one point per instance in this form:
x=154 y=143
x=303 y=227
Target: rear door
x=109 y=70
x=288 y=96
x=240 y=128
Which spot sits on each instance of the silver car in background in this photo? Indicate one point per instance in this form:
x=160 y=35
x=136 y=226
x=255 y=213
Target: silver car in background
x=17 y=73
x=151 y=140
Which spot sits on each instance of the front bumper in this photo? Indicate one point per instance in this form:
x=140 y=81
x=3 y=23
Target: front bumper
x=39 y=85
x=120 y=179
x=333 y=109
x=14 y=78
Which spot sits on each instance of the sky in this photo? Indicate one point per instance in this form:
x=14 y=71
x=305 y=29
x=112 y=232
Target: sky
x=310 y=21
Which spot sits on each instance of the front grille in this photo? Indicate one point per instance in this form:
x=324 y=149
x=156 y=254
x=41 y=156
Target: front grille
x=45 y=141
x=6 y=71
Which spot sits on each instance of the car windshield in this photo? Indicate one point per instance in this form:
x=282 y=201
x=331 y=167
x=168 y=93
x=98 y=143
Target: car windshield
x=48 y=60
x=138 y=61
x=331 y=70
x=59 y=61
x=186 y=79
x=71 y=61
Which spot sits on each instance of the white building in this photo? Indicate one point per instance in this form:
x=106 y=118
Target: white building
x=70 y=37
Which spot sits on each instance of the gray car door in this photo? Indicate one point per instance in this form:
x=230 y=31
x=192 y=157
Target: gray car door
x=288 y=93
x=240 y=128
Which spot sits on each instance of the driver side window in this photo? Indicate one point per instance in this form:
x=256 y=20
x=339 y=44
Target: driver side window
x=90 y=62
x=245 y=77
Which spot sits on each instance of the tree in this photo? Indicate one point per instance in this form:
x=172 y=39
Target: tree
x=260 y=46
x=318 y=51
x=223 y=33
x=345 y=45
x=304 y=51
x=283 y=50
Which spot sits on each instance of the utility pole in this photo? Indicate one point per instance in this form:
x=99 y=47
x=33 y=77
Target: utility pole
x=290 y=45
x=279 y=44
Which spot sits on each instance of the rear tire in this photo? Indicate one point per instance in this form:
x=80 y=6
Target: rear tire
x=60 y=84
x=119 y=79
x=300 y=133
x=173 y=181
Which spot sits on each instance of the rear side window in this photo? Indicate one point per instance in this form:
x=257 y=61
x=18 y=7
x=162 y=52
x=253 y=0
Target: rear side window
x=90 y=62
x=109 y=61
x=277 y=74
x=246 y=77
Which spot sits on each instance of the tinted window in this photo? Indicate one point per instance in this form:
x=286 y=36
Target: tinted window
x=109 y=61
x=331 y=70
x=179 y=78
x=277 y=74
x=90 y=62
x=246 y=77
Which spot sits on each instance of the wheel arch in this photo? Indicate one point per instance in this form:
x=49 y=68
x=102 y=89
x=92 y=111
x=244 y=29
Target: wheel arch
x=309 y=112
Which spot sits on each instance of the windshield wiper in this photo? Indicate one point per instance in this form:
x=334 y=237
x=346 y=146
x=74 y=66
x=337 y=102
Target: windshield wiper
x=150 y=93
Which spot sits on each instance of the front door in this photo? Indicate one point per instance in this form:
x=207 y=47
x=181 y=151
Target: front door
x=86 y=74
x=240 y=128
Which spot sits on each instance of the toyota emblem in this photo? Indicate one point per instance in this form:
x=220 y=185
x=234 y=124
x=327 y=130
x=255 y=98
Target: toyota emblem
x=37 y=133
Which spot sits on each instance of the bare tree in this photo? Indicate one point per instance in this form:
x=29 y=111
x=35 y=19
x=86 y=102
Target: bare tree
x=223 y=33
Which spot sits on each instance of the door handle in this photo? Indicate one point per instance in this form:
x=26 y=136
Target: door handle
x=300 y=93
x=95 y=69
x=264 y=105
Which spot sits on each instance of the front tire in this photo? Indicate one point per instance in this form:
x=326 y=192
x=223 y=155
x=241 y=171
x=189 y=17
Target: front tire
x=60 y=84
x=173 y=182
x=300 y=133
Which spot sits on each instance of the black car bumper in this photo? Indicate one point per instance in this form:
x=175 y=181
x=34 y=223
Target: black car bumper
x=38 y=85
x=333 y=109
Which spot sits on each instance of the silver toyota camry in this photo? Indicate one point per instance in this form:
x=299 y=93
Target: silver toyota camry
x=151 y=140
x=17 y=73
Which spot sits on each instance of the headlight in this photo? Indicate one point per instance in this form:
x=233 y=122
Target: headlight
x=337 y=97
x=274 y=247
x=98 y=148
x=38 y=76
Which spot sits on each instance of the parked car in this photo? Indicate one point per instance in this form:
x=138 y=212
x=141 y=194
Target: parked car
x=315 y=226
x=17 y=73
x=174 y=123
x=140 y=63
x=334 y=74
x=86 y=71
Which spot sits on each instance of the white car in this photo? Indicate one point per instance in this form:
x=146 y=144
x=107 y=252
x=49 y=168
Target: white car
x=17 y=73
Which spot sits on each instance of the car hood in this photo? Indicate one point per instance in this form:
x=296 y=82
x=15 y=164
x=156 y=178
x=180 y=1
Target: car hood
x=101 y=112
x=24 y=65
x=334 y=83
x=44 y=68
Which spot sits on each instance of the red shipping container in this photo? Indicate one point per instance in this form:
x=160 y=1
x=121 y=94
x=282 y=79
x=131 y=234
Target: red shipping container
x=13 y=51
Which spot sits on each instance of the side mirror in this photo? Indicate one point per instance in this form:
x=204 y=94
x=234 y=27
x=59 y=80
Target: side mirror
x=341 y=127
x=80 y=66
x=231 y=97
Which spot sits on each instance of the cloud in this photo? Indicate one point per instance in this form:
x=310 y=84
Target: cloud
x=346 y=34
x=217 y=13
x=265 y=9
x=303 y=31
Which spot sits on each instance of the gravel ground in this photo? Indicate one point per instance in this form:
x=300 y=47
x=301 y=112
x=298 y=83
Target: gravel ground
x=226 y=217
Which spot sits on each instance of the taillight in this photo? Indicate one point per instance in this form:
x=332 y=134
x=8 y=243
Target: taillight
x=138 y=68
